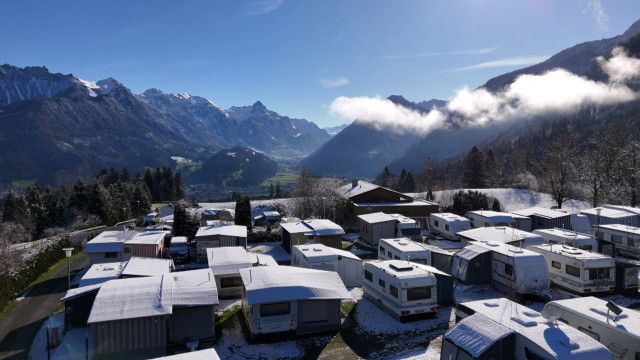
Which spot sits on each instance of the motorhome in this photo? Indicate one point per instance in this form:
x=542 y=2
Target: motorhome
x=568 y=237
x=403 y=249
x=619 y=240
x=448 y=225
x=536 y=338
x=502 y=234
x=405 y=290
x=291 y=299
x=517 y=271
x=225 y=264
x=322 y=257
x=486 y=218
x=619 y=332
x=578 y=271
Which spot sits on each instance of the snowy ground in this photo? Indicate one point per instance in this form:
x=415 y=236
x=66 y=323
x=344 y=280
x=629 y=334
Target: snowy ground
x=71 y=347
x=511 y=199
x=254 y=203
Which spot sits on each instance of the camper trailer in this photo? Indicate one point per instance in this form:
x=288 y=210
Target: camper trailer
x=619 y=240
x=405 y=290
x=479 y=338
x=502 y=234
x=578 y=271
x=403 y=249
x=291 y=299
x=516 y=271
x=616 y=327
x=321 y=257
x=472 y=265
x=225 y=264
x=448 y=224
x=536 y=338
x=627 y=276
x=486 y=218
x=568 y=237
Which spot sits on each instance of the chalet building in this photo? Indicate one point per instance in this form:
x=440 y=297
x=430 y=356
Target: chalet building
x=363 y=197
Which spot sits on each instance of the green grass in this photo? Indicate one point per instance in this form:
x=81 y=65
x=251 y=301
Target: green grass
x=346 y=307
x=285 y=176
x=228 y=314
x=54 y=268
x=21 y=184
x=7 y=309
x=346 y=245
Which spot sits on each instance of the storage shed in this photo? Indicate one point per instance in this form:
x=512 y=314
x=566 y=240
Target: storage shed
x=107 y=246
x=219 y=235
x=543 y=218
x=376 y=226
x=148 y=244
x=77 y=305
x=313 y=231
x=472 y=265
x=225 y=264
x=140 y=267
x=321 y=257
x=291 y=299
x=102 y=272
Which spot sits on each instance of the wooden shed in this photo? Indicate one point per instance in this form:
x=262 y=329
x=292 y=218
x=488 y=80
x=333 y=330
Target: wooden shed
x=313 y=231
x=148 y=244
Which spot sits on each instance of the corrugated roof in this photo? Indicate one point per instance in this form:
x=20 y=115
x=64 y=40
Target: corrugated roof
x=285 y=283
x=476 y=333
x=471 y=251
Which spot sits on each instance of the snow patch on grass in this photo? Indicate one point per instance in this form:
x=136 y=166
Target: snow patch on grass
x=374 y=320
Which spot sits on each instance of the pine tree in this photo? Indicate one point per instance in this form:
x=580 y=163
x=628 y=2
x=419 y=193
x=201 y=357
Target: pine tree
x=495 y=206
x=278 y=192
x=474 y=175
x=179 y=220
x=178 y=191
x=243 y=212
x=271 y=190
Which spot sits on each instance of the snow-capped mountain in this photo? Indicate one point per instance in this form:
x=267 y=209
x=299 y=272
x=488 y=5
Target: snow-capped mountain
x=335 y=130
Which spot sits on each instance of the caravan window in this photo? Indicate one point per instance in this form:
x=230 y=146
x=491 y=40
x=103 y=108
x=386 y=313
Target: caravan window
x=446 y=227
x=393 y=291
x=436 y=223
x=382 y=283
x=275 y=309
x=389 y=255
x=382 y=250
x=368 y=275
x=419 y=293
x=631 y=243
x=508 y=269
x=616 y=239
x=599 y=273
x=572 y=270
x=555 y=264
x=111 y=255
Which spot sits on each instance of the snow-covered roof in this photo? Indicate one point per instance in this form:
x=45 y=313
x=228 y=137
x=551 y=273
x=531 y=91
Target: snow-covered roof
x=395 y=203
x=503 y=234
x=271 y=214
x=596 y=310
x=179 y=240
x=107 y=241
x=286 y=283
x=404 y=220
x=471 y=251
x=376 y=217
x=324 y=227
x=273 y=249
x=620 y=227
x=605 y=212
x=194 y=288
x=562 y=234
x=349 y=191
x=450 y=217
x=229 y=259
x=476 y=333
x=409 y=272
x=404 y=244
x=143 y=266
x=147 y=238
x=132 y=298
x=321 y=253
x=631 y=209
x=591 y=258
x=224 y=230
x=495 y=216
x=99 y=273
x=506 y=249
x=296 y=227
x=559 y=340
x=79 y=291
x=542 y=212
x=206 y=354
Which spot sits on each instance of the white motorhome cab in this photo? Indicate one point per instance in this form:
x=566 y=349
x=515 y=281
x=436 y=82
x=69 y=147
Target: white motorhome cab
x=536 y=338
x=568 y=237
x=620 y=333
x=578 y=271
x=403 y=249
x=322 y=257
x=403 y=289
x=516 y=271
x=448 y=224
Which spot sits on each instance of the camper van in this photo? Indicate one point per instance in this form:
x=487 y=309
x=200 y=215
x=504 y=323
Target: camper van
x=502 y=234
x=403 y=249
x=448 y=224
x=403 y=289
x=568 y=237
x=578 y=271
x=516 y=271
x=536 y=338
x=620 y=332
x=322 y=257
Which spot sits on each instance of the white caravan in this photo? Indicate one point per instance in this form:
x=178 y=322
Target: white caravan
x=516 y=271
x=568 y=237
x=578 y=271
x=619 y=240
x=403 y=249
x=536 y=338
x=486 y=218
x=448 y=224
x=618 y=332
x=322 y=257
x=404 y=289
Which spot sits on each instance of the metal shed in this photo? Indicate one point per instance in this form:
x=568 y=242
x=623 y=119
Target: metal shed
x=472 y=265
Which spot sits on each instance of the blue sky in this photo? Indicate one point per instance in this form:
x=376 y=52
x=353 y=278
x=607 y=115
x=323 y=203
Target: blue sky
x=296 y=56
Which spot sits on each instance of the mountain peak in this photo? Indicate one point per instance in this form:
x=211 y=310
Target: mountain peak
x=632 y=30
x=258 y=107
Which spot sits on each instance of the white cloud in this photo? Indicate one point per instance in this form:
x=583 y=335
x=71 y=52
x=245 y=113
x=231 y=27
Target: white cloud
x=595 y=9
x=334 y=83
x=432 y=54
x=508 y=62
x=261 y=7
x=556 y=91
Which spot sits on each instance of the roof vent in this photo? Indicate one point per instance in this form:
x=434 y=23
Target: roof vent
x=523 y=322
x=403 y=243
x=490 y=304
x=317 y=249
x=401 y=267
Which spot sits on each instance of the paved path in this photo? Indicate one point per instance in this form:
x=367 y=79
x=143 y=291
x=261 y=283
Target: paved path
x=21 y=324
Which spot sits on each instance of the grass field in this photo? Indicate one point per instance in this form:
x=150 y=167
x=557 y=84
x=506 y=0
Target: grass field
x=286 y=175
